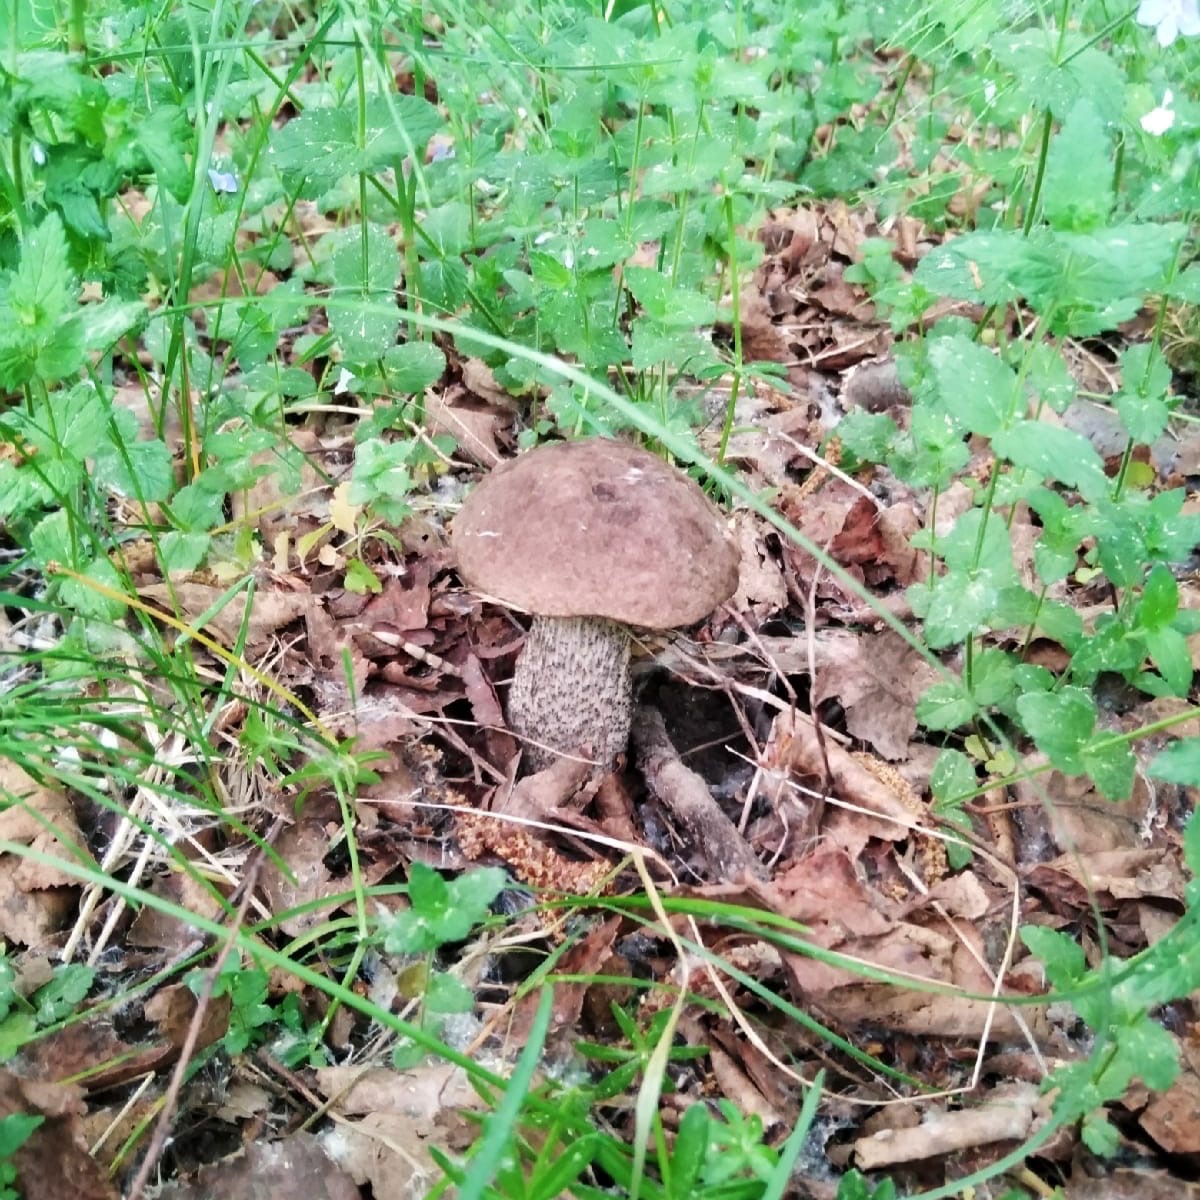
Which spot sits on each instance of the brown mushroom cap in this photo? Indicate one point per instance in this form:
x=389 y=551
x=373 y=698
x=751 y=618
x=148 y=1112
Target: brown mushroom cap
x=596 y=528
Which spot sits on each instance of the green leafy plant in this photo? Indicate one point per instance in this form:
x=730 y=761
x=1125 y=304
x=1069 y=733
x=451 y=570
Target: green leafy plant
x=440 y=913
x=23 y=1016
x=15 y=1130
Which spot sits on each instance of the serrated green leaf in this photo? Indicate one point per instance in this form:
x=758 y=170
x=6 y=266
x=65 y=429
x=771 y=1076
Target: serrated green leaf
x=974 y=386
x=665 y=302
x=945 y=706
x=960 y=603
x=1180 y=763
x=1060 y=723
x=1077 y=191
x=414 y=366
x=1055 y=73
x=323 y=144
x=1061 y=955
x=1053 y=452
x=1110 y=766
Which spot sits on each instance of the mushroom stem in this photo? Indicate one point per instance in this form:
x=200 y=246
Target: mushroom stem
x=571 y=690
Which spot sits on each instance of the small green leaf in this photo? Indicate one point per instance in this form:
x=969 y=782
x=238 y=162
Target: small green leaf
x=447 y=993
x=1171 y=655
x=1061 y=955
x=360 y=579
x=413 y=366
x=1100 y=1135
x=952 y=779
x=1060 y=723
x=1180 y=763
x=1111 y=766
x=1160 y=599
x=15 y=1130
x=63 y=994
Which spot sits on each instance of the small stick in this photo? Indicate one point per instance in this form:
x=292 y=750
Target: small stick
x=687 y=796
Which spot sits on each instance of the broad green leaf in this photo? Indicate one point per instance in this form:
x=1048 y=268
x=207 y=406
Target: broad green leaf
x=1060 y=723
x=413 y=366
x=654 y=344
x=1053 y=452
x=105 y=323
x=1110 y=766
x=979 y=266
x=363 y=315
x=141 y=470
x=1160 y=599
x=323 y=144
x=1055 y=73
x=666 y=303
x=182 y=552
x=1180 y=763
x=974 y=386
x=951 y=780
x=1077 y=192
x=165 y=137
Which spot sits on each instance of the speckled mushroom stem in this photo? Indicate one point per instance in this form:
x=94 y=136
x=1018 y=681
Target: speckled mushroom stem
x=571 y=691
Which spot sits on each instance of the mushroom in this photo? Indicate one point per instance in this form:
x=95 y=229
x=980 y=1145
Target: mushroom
x=591 y=537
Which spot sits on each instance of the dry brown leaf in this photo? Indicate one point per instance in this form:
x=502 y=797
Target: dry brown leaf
x=473 y=426
x=1007 y=1114
x=302 y=848
x=761 y=590
x=296 y=1168
x=385 y=1150
x=1078 y=819
x=273 y=609
x=152 y=928
x=794 y=749
x=54 y=1164
x=878 y=678
x=1109 y=875
x=36 y=897
x=1172 y=1118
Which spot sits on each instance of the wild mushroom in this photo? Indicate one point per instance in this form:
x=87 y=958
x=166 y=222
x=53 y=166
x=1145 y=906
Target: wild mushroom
x=591 y=537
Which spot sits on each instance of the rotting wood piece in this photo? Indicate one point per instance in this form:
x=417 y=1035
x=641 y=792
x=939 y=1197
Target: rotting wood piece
x=705 y=824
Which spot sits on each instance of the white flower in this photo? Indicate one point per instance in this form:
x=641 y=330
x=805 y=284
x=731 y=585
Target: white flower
x=1170 y=18
x=1158 y=120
